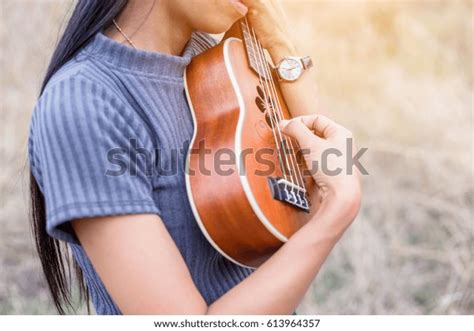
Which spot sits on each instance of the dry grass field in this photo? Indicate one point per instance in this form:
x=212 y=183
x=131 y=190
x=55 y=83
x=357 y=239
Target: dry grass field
x=400 y=74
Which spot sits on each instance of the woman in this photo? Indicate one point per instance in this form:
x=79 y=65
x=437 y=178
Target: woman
x=115 y=83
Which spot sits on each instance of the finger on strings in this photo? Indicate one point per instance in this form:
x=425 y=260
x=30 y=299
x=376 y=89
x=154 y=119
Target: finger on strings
x=297 y=129
x=323 y=126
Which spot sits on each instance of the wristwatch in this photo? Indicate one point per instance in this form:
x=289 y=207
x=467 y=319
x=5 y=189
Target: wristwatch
x=291 y=68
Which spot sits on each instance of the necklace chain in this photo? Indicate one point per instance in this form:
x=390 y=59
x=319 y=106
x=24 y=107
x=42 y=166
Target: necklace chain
x=123 y=33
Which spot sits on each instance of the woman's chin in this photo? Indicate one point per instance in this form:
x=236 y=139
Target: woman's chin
x=218 y=28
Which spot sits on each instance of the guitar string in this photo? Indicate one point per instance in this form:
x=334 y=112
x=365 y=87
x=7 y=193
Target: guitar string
x=262 y=60
x=271 y=111
x=274 y=122
x=289 y=139
x=278 y=110
x=266 y=96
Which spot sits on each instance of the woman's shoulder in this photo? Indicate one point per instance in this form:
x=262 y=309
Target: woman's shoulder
x=76 y=110
x=76 y=98
x=82 y=71
x=80 y=83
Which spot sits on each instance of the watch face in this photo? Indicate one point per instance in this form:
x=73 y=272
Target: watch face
x=290 y=69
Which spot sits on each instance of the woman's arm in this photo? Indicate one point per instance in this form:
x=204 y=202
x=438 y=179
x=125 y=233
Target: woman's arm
x=268 y=19
x=144 y=272
x=278 y=286
x=140 y=265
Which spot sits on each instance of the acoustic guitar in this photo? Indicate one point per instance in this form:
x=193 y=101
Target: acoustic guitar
x=247 y=188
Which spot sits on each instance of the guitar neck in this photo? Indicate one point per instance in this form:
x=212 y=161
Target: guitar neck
x=255 y=53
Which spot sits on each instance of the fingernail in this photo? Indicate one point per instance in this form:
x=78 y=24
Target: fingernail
x=284 y=123
x=240 y=7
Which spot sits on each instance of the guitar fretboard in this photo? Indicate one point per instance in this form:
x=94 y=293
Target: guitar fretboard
x=255 y=55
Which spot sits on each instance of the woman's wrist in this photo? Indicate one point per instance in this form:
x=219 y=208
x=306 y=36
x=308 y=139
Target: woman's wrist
x=334 y=215
x=281 y=48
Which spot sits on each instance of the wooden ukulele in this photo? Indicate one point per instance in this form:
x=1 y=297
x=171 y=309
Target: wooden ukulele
x=250 y=207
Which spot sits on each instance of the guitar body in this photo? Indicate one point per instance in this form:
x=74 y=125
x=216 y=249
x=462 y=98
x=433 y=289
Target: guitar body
x=233 y=201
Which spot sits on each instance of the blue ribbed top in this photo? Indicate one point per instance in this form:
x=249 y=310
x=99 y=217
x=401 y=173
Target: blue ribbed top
x=112 y=108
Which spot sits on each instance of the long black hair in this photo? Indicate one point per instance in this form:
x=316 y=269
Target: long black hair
x=87 y=18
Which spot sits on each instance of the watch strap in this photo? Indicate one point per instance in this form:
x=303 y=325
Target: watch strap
x=307 y=62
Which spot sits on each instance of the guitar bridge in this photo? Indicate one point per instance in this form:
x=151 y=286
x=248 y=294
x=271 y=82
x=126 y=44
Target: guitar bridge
x=288 y=192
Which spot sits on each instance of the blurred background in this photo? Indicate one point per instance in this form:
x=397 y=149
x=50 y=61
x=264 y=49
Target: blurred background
x=399 y=74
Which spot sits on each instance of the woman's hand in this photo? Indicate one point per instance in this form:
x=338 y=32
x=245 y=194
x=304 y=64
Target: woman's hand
x=325 y=146
x=269 y=21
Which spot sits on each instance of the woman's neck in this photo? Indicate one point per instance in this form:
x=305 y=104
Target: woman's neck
x=151 y=26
